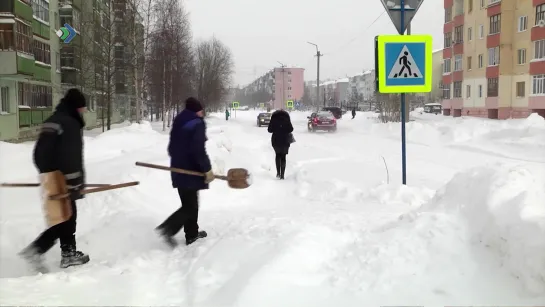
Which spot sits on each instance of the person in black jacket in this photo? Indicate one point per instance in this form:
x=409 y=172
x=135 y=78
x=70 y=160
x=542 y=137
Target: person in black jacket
x=187 y=151
x=60 y=148
x=281 y=128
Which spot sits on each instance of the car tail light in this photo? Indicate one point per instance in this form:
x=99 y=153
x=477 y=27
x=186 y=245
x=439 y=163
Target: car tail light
x=315 y=120
x=334 y=120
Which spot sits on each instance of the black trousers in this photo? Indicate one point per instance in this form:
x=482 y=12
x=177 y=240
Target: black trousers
x=65 y=231
x=185 y=217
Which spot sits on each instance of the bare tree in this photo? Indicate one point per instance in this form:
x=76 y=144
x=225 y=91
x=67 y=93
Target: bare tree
x=214 y=69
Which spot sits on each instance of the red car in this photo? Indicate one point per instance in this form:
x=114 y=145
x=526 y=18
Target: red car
x=323 y=120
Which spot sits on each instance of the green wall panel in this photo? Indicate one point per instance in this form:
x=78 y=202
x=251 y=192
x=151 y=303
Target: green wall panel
x=40 y=29
x=22 y=10
x=25 y=65
x=42 y=73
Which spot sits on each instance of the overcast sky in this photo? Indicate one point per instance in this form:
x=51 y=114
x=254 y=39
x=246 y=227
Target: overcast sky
x=262 y=32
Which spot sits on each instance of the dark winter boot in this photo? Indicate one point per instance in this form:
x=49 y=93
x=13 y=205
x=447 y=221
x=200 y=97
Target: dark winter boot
x=34 y=258
x=169 y=240
x=71 y=257
x=282 y=170
x=200 y=235
x=278 y=163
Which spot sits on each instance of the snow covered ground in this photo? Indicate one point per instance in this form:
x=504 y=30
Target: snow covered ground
x=468 y=229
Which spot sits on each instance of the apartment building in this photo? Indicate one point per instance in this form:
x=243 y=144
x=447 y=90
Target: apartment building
x=29 y=65
x=289 y=84
x=494 y=58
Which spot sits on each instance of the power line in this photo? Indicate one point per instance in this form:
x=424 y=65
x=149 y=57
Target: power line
x=359 y=34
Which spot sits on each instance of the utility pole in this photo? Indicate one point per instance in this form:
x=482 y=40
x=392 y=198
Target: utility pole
x=318 y=55
x=283 y=89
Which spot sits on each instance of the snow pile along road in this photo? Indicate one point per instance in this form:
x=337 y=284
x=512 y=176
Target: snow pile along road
x=504 y=209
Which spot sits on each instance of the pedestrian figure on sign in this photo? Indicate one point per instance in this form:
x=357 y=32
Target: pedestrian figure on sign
x=406 y=64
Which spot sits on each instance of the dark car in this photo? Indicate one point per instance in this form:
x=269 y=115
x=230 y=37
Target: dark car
x=434 y=108
x=323 y=120
x=263 y=119
x=337 y=112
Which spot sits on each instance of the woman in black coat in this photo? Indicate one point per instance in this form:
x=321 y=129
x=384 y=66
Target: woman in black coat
x=281 y=128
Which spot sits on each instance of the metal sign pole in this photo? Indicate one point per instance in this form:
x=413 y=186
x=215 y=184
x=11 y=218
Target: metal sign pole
x=403 y=111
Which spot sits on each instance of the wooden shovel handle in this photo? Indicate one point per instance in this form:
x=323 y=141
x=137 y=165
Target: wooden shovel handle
x=33 y=185
x=178 y=170
x=99 y=189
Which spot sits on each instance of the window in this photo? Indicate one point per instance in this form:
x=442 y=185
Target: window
x=459 y=34
x=521 y=56
x=42 y=52
x=446 y=91
x=540 y=13
x=34 y=95
x=493 y=56
x=538 y=85
x=480 y=91
x=76 y=19
x=448 y=40
x=24 y=37
x=4 y=99
x=6 y=37
x=469 y=6
x=56 y=21
x=523 y=23
x=40 y=10
x=448 y=14
x=495 y=24
x=539 y=49
x=457 y=91
x=468 y=91
x=469 y=34
x=458 y=62
x=481 y=31
x=493 y=1
x=480 y=60
x=483 y=4
x=492 y=90
x=521 y=87
x=446 y=66
x=469 y=60
x=58 y=62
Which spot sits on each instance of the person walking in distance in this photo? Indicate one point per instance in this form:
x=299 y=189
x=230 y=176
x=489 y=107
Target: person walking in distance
x=187 y=151
x=60 y=148
x=353 y=113
x=281 y=128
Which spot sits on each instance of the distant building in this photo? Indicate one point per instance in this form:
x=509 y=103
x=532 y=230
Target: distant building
x=289 y=85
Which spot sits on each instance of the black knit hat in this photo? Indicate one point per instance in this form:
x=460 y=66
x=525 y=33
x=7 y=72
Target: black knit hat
x=192 y=104
x=75 y=99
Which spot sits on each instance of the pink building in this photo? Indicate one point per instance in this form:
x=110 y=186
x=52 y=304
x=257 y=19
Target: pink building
x=289 y=84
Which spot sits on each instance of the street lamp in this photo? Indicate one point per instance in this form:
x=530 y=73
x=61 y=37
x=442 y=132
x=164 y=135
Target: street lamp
x=283 y=89
x=318 y=55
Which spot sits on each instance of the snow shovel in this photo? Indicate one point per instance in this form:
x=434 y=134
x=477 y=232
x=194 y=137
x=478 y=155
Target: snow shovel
x=35 y=185
x=98 y=189
x=237 y=178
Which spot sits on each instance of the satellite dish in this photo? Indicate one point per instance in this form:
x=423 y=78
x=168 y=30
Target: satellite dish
x=541 y=23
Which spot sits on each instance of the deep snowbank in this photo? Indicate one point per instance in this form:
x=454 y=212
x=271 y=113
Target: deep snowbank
x=504 y=209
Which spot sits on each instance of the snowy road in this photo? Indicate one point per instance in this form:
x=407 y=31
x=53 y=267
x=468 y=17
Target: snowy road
x=330 y=234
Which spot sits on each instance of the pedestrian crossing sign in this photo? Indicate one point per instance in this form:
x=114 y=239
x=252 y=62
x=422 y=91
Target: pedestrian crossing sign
x=289 y=104
x=404 y=63
x=236 y=105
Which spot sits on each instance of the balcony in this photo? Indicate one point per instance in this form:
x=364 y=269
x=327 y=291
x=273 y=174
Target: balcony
x=33 y=116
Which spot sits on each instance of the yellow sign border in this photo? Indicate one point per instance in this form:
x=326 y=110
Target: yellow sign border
x=288 y=105
x=382 y=73
x=236 y=104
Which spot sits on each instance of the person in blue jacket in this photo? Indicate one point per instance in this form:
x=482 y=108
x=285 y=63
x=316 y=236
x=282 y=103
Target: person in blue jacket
x=187 y=151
